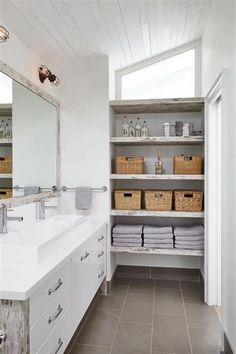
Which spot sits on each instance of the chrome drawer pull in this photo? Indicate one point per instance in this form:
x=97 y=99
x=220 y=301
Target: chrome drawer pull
x=100 y=254
x=100 y=238
x=60 y=343
x=3 y=337
x=85 y=256
x=100 y=275
x=56 y=287
x=53 y=318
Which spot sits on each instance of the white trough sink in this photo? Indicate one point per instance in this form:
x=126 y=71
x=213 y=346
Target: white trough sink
x=35 y=244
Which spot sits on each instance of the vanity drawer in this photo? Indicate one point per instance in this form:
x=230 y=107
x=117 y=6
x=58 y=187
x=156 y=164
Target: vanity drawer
x=99 y=275
x=59 y=338
x=49 y=319
x=48 y=291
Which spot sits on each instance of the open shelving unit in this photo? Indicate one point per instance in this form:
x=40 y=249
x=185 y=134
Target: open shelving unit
x=6 y=145
x=156 y=112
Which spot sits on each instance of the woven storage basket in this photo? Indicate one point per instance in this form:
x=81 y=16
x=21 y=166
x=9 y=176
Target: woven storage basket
x=128 y=199
x=6 y=164
x=158 y=200
x=188 y=200
x=129 y=164
x=187 y=165
x=5 y=193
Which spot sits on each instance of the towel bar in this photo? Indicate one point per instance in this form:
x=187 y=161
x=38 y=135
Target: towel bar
x=101 y=189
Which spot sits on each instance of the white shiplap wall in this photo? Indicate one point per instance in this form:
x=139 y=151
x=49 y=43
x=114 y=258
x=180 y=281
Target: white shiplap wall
x=127 y=30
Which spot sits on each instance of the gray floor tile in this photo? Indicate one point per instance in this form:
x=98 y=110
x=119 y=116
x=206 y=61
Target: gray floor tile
x=99 y=328
x=133 y=272
x=170 y=334
x=192 y=289
x=199 y=314
x=168 y=301
x=138 y=308
x=205 y=340
x=88 y=349
x=175 y=274
x=141 y=287
x=114 y=301
x=121 y=282
x=167 y=284
x=132 y=338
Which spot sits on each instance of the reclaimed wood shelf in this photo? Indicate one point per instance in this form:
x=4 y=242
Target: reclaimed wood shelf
x=6 y=175
x=167 y=214
x=161 y=251
x=174 y=105
x=173 y=177
x=157 y=140
x=5 y=110
x=5 y=142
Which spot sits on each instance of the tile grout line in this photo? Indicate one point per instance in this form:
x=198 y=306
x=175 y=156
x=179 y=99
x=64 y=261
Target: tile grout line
x=185 y=316
x=153 y=310
x=119 y=320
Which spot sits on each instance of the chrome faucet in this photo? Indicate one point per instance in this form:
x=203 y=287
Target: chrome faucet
x=43 y=207
x=4 y=219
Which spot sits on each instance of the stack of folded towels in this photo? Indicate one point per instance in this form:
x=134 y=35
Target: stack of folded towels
x=189 y=237
x=158 y=237
x=127 y=235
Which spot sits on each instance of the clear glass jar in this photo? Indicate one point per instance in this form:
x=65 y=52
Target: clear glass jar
x=131 y=129
x=144 y=130
x=125 y=128
x=138 y=128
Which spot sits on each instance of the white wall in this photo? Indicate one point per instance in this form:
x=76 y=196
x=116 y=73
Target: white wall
x=5 y=89
x=218 y=53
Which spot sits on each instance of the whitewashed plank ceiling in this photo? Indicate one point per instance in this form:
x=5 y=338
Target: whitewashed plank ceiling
x=65 y=31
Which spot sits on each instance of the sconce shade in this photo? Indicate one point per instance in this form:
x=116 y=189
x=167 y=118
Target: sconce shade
x=4 y=34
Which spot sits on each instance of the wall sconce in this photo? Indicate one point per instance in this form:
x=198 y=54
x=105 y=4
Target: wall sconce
x=45 y=73
x=4 y=34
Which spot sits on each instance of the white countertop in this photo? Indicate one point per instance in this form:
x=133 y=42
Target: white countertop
x=19 y=281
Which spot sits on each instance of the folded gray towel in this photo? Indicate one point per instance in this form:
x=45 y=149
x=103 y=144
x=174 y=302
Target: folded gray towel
x=127 y=240
x=133 y=236
x=195 y=230
x=158 y=236
x=83 y=198
x=127 y=229
x=130 y=244
x=163 y=246
x=168 y=240
x=187 y=243
x=28 y=190
x=189 y=238
x=191 y=247
x=157 y=229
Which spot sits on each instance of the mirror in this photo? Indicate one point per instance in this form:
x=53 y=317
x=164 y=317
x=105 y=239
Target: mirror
x=28 y=139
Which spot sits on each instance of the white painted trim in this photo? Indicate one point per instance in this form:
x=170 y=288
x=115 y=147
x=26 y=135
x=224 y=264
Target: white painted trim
x=157 y=58
x=212 y=193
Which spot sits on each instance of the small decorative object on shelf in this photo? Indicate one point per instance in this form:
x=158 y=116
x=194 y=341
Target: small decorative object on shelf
x=138 y=128
x=166 y=129
x=131 y=129
x=158 y=165
x=125 y=128
x=144 y=130
x=179 y=128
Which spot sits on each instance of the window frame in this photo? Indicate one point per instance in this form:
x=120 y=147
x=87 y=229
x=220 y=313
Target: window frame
x=160 y=57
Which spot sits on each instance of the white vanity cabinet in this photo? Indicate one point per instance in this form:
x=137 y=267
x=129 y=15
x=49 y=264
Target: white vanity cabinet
x=57 y=307
x=88 y=272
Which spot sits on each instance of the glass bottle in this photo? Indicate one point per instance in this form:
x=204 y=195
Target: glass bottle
x=3 y=129
x=131 y=129
x=144 y=130
x=158 y=165
x=125 y=127
x=138 y=128
x=10 y=128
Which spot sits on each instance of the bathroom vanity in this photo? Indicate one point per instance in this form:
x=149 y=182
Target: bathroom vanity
x=44 y=298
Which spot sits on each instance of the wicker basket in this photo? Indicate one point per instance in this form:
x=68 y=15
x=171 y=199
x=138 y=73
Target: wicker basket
x=129 y=164
x=6 y=164
x=128 y=199
x=158 y=200
x=188 y=200
x=187 y=165
x=5 y=193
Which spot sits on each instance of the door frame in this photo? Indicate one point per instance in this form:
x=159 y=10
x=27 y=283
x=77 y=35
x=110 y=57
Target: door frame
x=213 y=249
